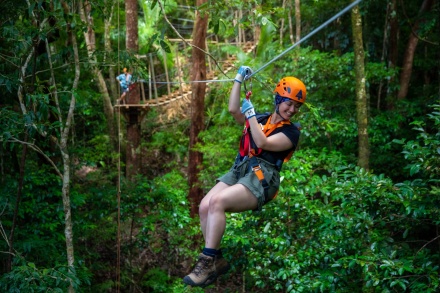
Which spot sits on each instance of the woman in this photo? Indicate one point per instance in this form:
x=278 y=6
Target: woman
x=254 y=179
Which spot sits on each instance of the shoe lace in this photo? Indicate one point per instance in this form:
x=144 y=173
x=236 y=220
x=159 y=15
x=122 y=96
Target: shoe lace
x=201 y=265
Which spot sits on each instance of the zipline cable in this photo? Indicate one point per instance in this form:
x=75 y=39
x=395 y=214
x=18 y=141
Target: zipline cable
x=193 y=81
x=349 y=7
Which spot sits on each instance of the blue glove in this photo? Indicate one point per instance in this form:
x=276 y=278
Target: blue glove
x=243 y=73
x=247 y=109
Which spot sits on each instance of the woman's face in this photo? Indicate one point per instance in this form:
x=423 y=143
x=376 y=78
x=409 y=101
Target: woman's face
x=289 y=108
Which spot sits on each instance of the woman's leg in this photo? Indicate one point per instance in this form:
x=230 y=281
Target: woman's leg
x=235 y=198
x=220 y=199
x=204 y=204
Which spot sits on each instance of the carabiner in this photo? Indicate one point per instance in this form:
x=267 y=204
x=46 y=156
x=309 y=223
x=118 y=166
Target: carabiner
x=248 y=93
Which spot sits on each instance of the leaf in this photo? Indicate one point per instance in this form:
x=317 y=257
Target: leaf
x=414 y=169
x=266 y=228
x=216 y=27
x=152 y=39
x=399 y=141
x=165 y=46
x=405 y=233
x=352 y=263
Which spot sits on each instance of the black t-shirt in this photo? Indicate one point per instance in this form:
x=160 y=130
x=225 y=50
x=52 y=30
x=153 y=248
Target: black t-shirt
x=290 y=130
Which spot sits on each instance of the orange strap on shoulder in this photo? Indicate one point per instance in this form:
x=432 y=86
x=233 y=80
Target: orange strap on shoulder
x=268 y=128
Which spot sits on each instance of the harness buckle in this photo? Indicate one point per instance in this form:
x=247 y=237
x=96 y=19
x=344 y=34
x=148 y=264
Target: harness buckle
x=259 y=172
x=256 y=168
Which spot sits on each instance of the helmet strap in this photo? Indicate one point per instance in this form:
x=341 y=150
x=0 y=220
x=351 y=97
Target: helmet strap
x=277 y=110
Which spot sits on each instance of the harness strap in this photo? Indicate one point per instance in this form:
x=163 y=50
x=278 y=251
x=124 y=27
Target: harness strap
x=256 y=168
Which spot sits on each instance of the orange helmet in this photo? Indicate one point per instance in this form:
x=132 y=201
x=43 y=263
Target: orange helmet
x=292 y=88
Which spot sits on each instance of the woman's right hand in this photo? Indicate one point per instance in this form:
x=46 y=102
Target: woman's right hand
x=244 y=72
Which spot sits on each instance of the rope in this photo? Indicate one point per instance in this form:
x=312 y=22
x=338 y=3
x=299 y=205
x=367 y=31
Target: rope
x=119 y=205
x=118 y=236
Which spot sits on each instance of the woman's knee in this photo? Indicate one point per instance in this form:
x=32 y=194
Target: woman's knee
x=216 y=203
x=203 y=208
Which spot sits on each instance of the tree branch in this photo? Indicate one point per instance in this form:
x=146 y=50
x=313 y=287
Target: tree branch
x=38 y=150
x=411 y=25
x=427 y=244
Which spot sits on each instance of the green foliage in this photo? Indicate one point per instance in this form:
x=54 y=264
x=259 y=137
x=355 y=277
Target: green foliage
x=27 y=277
x=39 y=225
x=168 y=141
x=157 y=280
x=221 y=16
x=164 y=200
x=219 y=151
x=159 y=208
x=99 y=155
x=333 y=228
x=423 y=153
x=10 y=125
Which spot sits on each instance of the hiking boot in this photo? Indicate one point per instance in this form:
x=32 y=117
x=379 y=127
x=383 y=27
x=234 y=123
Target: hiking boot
x=221 y=267
x=203 y=269
x=206 y=271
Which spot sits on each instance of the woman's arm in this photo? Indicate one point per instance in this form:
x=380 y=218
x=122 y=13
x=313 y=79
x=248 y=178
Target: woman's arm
x=277 y=142
x=234 y=103
x=274 y=143
x=234 y=98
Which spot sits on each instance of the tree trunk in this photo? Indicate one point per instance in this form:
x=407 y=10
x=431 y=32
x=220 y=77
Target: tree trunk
x=89 y=36
x=289 y=5
x=384 y=50
x=298 y=20
x=197 y=109
x=17 y=202
x=133 y=116
x=109 y=7
x=64 y=148
x=361 y=96
x=405 y=75
x=393 y=53
x=64 y=131
x=283 y=7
